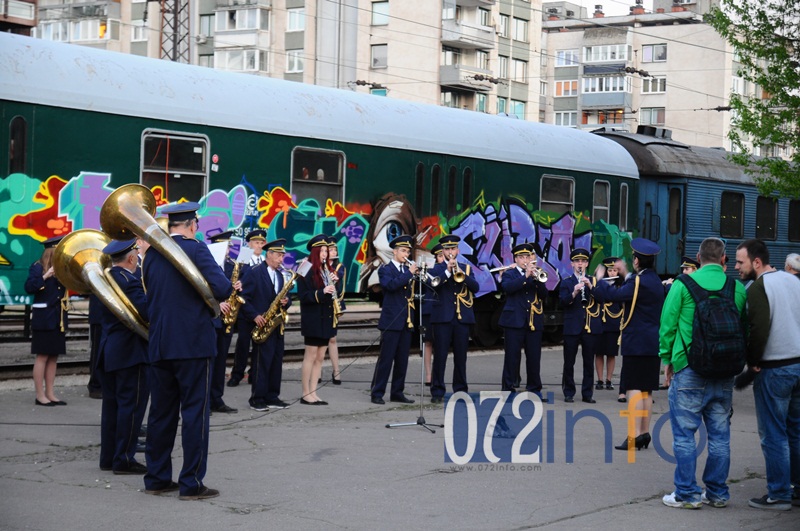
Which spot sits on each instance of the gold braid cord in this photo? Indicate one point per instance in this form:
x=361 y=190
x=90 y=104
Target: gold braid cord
x=589 y=314
x=536 y=309
x=607 y=312
x=625 y=323
x=410 y=305
x=65 y=307
x=465 y=297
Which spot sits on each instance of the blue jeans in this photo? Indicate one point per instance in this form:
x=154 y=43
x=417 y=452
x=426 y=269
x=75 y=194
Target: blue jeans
x=694 y=400
x=777 y=394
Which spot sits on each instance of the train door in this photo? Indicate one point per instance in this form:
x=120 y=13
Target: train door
x=669 y=231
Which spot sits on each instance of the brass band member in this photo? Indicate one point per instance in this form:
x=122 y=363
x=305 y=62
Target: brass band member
x=429 y=295
x=522 y=319
x=451 y=318
x=224 y=337
x=608 y=344
x=316 y=291
x=340 y=272
x=48 y=324
x=396 y=321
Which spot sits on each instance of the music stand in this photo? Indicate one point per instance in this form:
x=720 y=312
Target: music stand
x=419 y=298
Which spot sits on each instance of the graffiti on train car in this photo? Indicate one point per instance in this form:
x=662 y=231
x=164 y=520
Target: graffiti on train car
x=34 y=210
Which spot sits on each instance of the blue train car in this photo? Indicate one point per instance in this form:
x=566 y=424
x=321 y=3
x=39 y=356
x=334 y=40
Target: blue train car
x=688 y=193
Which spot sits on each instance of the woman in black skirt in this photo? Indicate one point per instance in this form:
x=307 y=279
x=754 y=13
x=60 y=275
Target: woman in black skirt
x=316 y=291
x=48 y=324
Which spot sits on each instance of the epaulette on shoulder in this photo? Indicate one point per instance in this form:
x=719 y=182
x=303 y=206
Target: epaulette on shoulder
x=128 y=275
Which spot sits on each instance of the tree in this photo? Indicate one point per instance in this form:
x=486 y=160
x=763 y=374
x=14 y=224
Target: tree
x=766 y=37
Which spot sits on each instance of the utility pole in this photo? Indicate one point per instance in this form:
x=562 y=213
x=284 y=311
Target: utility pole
x=175 y=30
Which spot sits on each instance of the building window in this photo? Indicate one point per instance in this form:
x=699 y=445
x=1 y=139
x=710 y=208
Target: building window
x=567 y=58
x=566 y=88
x=482 y=59
x=731 y=215
x=206 y=60
x=296 y=19
x=794 y=220
x=53 y=31
x=652 y=85
x=380 y=55
x=557 y=194
x=466 y=188
x=654 y=53
x=518 y=109
x=419 y=189
x=379 y=92
x=175 y=162
x=435 y=174
x=502 y=66
x=652 y=116
x=138 y=31
x=610 y=52
x=94 y=30
x=602 y=199
x=480 y=103
x=766 y=218
x=451 y=56
x=623 y=207
x=206 y=25
x=520 y=30
x=501 y=105
x=380 y=13
x=519 y=71
x=242 y=19
x=484 y=17
x=566 y=119
x=606 y=84
x=450 y=99
x=543 y=88
x=18 y=145
x=318 y=174
x=241 y=60
x=503 y=26
x=294 y=61
x=674 y=214
x=452 y=173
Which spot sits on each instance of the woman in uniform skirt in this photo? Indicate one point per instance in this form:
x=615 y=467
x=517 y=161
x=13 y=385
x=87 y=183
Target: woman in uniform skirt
x=48 y=324
x=316 y=291
x=340 y=274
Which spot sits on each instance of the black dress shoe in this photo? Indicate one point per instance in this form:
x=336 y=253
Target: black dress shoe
x=233 y=382
x=171 y=487
x=335 y=381
x=317 y=403
x=622 y=399
x=47 y=404
x=437 y=400
x=203 y=494
x=96 y=394
x=277 y=404
x=59 y=403
x=569 y=399
x=136 y=469
x=589 y=400
x=402 y=400
x=378 y=400
x=627 y=443
x=259 y=406
x=106 y=468
x=427 y=384
x=224 y=408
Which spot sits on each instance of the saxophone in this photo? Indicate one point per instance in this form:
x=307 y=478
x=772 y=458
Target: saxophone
x=337 y=300
x=235 y=300
x=275 y=315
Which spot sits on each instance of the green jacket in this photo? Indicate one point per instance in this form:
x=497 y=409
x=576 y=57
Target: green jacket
x=677 y=315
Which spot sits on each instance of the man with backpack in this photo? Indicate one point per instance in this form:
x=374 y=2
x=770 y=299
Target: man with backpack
x=774 y=354
x=703 y=347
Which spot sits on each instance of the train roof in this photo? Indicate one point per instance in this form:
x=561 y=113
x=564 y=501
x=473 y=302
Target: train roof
x=79 y=77
x=662 y=156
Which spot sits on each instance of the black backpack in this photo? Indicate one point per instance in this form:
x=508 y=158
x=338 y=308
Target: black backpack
x=719 y=347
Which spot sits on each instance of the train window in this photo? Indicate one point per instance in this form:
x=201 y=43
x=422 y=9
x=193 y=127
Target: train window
x=557 y=194
x=674 y=225
x=602 y=199
x=794 y=220
x=419 y=192
x=175 y=162
x=466 y=189
x=731 y=215
x=17 y=145
x=451 y=191
x=318 y=173
x=623 y=207
x=435 y=174
x=766 y=218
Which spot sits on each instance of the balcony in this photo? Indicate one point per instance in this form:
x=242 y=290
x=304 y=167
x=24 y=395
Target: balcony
x=467 y=36
x=242 y=3
x=476 y=3
x=18 y=14
x=463 y=77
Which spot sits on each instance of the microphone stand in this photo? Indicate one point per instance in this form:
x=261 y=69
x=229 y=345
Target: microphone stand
x=419 y=298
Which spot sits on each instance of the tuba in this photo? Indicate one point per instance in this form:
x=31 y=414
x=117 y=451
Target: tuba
x=275 y=315
x=81 y=266
x=129 y=211
x=235 y=300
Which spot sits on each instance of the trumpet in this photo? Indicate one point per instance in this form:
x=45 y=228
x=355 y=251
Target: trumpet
x=538 y=273
x=423 y=273
x=584 y=298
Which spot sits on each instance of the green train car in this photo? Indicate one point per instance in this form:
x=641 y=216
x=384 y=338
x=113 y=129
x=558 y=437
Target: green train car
x=296 y=160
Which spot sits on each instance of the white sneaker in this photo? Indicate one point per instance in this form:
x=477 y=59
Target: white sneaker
x=719 y=504
x=671 y=501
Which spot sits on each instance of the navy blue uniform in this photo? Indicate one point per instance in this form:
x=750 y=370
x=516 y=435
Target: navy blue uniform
x=181 y=352
x=396 y=323
x=316 y=309
x=523 y=322
x=123 y=361
x=259 y=293
x=244 y=329
x=223 y=346
x=582 y=327
x=47 y=315
x=95 y=333
x=449 y=328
